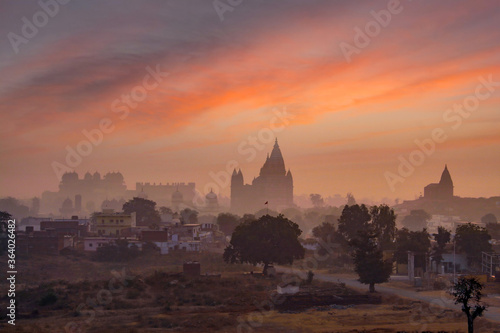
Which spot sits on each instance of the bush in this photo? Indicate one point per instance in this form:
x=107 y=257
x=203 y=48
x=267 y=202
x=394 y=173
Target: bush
x=49 y=298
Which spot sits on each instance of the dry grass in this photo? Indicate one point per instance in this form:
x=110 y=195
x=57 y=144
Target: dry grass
x=155 y=299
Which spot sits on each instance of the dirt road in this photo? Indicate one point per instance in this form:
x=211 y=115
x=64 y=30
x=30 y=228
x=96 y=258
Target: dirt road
x=442 y=300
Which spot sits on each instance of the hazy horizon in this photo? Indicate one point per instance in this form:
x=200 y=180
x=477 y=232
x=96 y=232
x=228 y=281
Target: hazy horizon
x=266 y=70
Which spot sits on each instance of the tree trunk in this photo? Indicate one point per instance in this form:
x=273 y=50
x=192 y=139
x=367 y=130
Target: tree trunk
x=470 y=324
x=372 y=287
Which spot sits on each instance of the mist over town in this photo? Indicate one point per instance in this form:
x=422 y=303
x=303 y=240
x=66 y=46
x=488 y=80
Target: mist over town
x=249 y=166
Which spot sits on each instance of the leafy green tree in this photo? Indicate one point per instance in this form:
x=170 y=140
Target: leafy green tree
x=368 y=260
x=383 y=223
x=473 y=240
x=467 y=292
x=417 y=220
x=268 y=240
x=353 y=219
x=415 y=241
x=146 y=213
x=442 y=238
x=227 y=222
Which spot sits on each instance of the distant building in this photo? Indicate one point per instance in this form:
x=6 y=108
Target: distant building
x=43 y=242
x=174 y=195
x=273 y=185
x=442 y=190
x=65 y=227
x=109 y=223
x=91 y=192
x=445 y=221
x=93 y=243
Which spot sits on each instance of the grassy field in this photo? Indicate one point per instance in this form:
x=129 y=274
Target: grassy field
x=148 y=294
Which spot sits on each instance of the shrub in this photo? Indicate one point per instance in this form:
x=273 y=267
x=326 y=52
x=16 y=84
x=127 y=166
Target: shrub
x=47 y=299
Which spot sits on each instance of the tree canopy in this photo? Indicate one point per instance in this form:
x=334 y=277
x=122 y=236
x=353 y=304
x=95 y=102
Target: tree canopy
x=381 y=220
x=368 y=259
x=489 y=218
x=417 y=220
x=415 y=241
x=384 y=225
x=227 y=222
x=353 y=219
x=442 y=237
x=146 y=213
x=189 y=216
x=325 y=231
x=473 y=240
x=268 y=240
x=317 y=200
x=467 y=292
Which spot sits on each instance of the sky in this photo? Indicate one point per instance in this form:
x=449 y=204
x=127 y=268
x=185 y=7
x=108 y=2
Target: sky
x=368 y=97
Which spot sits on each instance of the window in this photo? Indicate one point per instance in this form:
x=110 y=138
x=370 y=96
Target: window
x=102 y=221
x=111 y=221
x=91 y=244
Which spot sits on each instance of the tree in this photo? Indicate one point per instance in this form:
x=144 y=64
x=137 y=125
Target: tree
x=353 y=219
x=442 y=238
x=165 y=210
x=473 y=240
x=383 y=223
x=368 y=260
x=415 y=241
x=268 y=240
x=14 y=207
x=316 y=200
x=350 y=199
x=227 y=222
x=189 y=216
x=467 y=291
x=493 y=230
x=325 y=231
x=417 y=220
x=146 y=213
x=489 y=218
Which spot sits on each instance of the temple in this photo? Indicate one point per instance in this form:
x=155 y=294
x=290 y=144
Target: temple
x=273 y=185
x=442 y=190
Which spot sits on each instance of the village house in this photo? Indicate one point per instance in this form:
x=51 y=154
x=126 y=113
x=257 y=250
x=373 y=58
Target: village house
x=109 y=223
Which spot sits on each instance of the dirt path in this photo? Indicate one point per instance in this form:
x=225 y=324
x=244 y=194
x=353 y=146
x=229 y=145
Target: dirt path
x=442 y=300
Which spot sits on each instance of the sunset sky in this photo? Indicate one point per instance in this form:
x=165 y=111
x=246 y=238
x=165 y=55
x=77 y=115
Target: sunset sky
x=347 y=121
